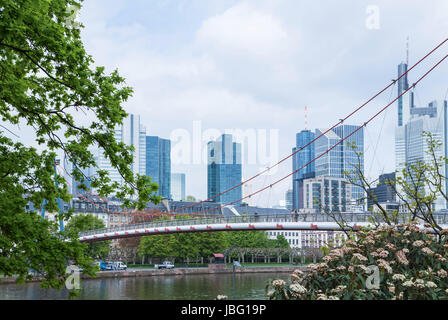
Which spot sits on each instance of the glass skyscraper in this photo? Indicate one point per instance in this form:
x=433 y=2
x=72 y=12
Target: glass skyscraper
x=326 y=194
x=224 y=169
x=402 y=86
x=158 y=163
x=132 y=133
x=411 y=146
x=288 y=199
x=350 y=159
x=299 y=160
x=341 y=158
x=178 y=186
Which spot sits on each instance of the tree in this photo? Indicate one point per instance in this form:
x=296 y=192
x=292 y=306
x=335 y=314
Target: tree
x=184 y=246
x=129 y=246
x=281 y=242
x=411 y=261
x=417 y=187
x=79 y=223
x=47 y=82
x=160 y=246
x=411 y=265
x=190 y=199
x=247 y=239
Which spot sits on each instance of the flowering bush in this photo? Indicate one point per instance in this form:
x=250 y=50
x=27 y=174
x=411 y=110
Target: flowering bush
x=412 y=264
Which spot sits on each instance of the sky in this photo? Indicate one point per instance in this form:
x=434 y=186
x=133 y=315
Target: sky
x=200 y=68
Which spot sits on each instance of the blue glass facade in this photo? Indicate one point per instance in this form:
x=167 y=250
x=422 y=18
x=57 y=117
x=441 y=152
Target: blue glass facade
x=158 y=163
x=300 y=159
x=329 y=164
x=178 y=186
x=402 y=86
x=224 y=170
x=341 y=158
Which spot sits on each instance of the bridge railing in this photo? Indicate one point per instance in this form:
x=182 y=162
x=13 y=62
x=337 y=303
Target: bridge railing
x=223 y=219
x=347 y=217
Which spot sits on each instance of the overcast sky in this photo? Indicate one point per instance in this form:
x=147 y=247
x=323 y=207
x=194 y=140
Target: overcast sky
x=254 y=65
x=202 y=66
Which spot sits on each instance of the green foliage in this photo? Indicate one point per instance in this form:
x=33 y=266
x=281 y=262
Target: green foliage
x=412 y=265
x=182 y=245
x=280 y=242
x=204 y=244
x=79 y=223
x=248 y=239
x=49 y=82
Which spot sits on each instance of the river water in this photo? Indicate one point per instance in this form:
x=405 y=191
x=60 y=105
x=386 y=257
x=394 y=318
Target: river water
x=248 y=286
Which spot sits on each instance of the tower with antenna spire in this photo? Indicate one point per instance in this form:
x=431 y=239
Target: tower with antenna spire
x=413 y=120
x=403 y=85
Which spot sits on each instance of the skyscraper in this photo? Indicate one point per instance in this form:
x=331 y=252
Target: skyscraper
x=74 y=190
x=158 y=163
x=326 y=194
x=288 y=199
x=132 y=133
x=383 y=192
x=411 y=146
x=302 y=159
x=224 y=170
x=402 y=86
x=341 y=159
x=350 y=156
x=178 y=186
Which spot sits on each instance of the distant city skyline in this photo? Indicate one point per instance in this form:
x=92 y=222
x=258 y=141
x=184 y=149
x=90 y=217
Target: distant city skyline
x=257 y=64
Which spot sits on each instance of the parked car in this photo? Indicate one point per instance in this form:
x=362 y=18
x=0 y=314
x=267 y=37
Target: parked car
x=164 y=265
x=115 y=265
x=102 y=265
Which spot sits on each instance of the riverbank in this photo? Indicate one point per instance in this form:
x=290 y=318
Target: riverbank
x=211 y=269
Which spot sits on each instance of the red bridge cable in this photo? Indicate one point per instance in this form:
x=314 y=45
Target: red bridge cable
x=325 y=132
x=338 y=123
x=378 y=113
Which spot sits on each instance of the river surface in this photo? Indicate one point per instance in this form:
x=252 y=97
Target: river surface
x=248 y=286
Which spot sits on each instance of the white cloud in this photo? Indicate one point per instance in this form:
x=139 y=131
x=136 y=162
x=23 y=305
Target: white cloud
x=258 y=63
x=245 y=30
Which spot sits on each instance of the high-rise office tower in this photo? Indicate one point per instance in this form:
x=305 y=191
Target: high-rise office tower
x=403 y=85
x=350 y=156
x=288 y=199
x=384 y=191
x=247 y=190
x=224 y=170
x=132 y=133
x=301 y=160
x=411 y=146
x=178 y=186
x=88 y=173
x=326 y=194
x=342 y=159
x=158 y=163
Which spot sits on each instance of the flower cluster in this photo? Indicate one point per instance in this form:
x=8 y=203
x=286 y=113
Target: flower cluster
x=412 y=264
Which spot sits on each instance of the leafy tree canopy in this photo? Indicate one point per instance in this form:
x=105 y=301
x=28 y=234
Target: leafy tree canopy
x=49 y=82
x=86 y=222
